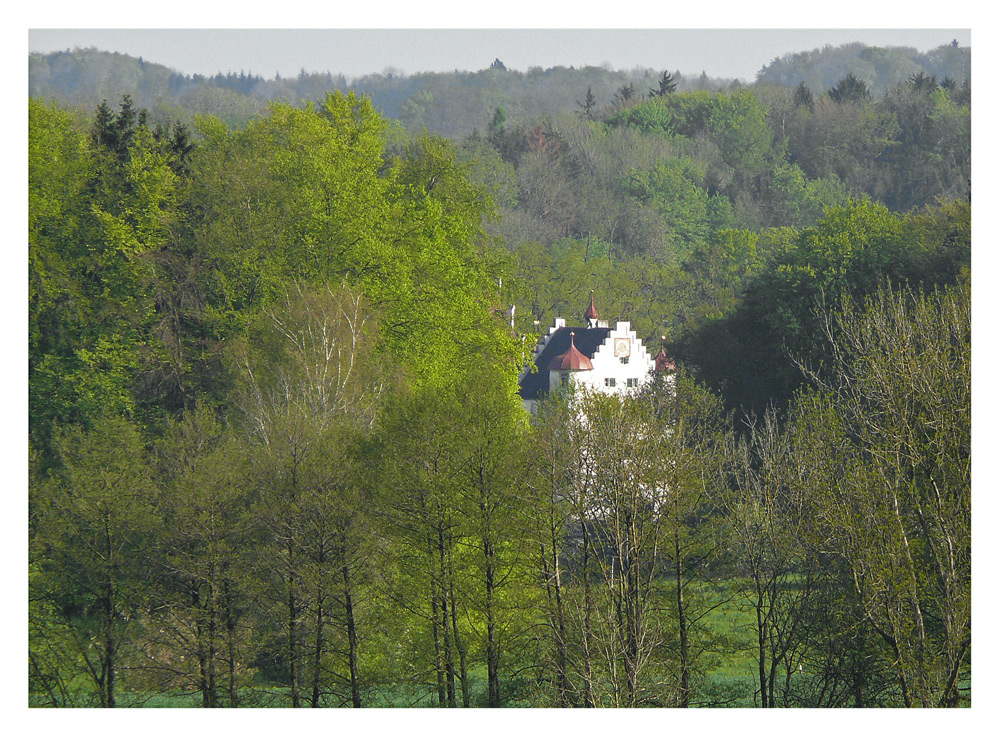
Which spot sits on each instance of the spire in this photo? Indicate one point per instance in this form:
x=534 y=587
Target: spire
x=591 y=314
x=571 y=360
x=662 y=362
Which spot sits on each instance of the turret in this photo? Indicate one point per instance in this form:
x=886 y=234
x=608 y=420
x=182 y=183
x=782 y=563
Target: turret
x=591 y=315
x=571 y=360
x=562 y=365
x=662 y=362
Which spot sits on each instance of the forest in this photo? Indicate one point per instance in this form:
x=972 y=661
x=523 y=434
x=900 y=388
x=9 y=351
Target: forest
x=276 y=453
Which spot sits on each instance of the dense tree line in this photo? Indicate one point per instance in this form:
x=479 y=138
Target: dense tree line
x=717 y=219
x=880 y=69
x=446 y=103
x=277 y=455
x=660 y=174
x=218 y=320
x=455 y=103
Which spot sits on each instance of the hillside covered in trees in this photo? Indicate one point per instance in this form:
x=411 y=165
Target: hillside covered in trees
x=276 y=453
x=454 y=103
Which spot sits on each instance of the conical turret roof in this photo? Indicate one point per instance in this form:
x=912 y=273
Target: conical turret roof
x=571 y=360
x=662 y=362
x=591 y=313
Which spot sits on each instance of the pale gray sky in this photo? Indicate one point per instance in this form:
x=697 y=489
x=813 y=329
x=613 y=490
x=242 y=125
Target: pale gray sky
x=718 y=52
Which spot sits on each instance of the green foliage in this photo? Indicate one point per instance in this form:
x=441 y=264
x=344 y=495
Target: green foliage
x=296 y=195
x=850 y=89
x=58 y=171
x=588 y=104
x=325 y=208
x=486 y=167
x=740 y=130
x=141 y=219
x=650 y=117
x=685 y=114
x=556 y=282
x=803 y=96
x=55 y=663
x=93 y=308
x=672 y=189
x=451 y=505
x=795 y=201
x=852 y=250
x=899 y=387
x=880 y=68
x=667 y=85
x=306 y=318
x=94 y=533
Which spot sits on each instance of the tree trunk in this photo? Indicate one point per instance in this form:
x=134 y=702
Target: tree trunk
x=317 y=663
x=761 y=646
x=110 y=651
x=352 y=640
x=617 y=636
x=110 y=663
x=201 y=647
x=438 y=651
x=682 y=629
x=630 y=614
x=293 y=650
x=459 y=642
x=199 y=639
x=293 y=604
x=565 y=692
x=213 y=695
x=234 y=700
x=449 y=658
x=949 y=697
x=110 y=666
x=492 y=647
x=915 y=607
x=553 y=591
x=588 y=633
x=632 y=624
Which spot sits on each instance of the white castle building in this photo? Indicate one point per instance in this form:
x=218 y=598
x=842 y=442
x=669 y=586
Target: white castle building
x=593 y=356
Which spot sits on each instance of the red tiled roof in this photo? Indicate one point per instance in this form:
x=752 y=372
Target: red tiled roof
x=663 y=363
x=535 y=383
x=571 y=360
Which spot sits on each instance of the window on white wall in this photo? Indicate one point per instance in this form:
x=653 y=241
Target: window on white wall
x=609 y=381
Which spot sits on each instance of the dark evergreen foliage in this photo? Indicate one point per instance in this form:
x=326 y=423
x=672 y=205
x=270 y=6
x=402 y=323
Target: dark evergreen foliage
x=850 y=89
x=667 y=85
x=277 y=456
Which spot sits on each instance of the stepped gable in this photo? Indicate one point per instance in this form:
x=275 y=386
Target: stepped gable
x=585 y=340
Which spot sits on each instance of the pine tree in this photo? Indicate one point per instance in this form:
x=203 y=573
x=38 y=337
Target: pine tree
x=668 y=84
x=850 y=89
x=588 y=105
x=803 y=96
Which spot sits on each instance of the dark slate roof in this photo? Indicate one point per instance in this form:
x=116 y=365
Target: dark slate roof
x=586 y=340
x=572 y=359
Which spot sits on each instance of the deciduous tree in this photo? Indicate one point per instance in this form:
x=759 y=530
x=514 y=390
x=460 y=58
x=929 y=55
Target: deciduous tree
x=96 y=531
